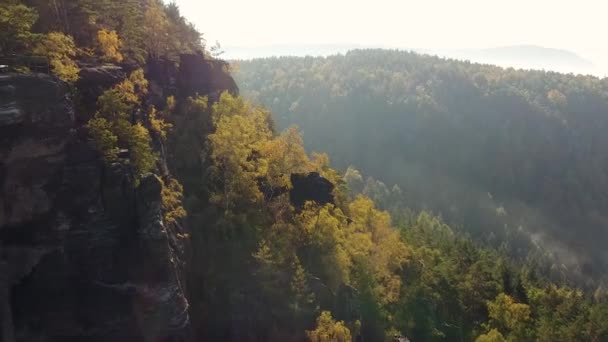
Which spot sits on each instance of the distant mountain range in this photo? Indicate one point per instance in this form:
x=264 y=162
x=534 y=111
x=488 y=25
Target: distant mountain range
x=247 y=52
x=516 y=56
x=523 y=57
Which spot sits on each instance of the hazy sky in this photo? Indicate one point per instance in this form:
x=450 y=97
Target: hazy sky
x=580 y=26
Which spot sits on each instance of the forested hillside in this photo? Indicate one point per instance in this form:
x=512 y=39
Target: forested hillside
x=147 y=28
x=501 y=153
x=144 y=200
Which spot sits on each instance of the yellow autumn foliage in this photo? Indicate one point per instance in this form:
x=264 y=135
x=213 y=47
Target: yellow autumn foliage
x=109 y=45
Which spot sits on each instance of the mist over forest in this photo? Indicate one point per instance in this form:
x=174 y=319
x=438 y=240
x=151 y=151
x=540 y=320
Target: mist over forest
x=462 y=139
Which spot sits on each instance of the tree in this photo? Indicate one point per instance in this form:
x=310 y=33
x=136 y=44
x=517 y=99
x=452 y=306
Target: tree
x=143 y=158
x=16 y=22
x=240 y=134
x=172 y=195
x=329 y=330
x=303 y=298
x=510 y=318
x=492 y=336
x=598 y=322
x=560 y=313
x=104 y=139
x=60 y=49
x=190 y=148
x=385 y=253
x=157 y=39
x=158 y=124
x=111 y=127
x=109 y=46
x=186 y=38
x=285 y=155
x=557 y=97
x=321 y=236
x=354 y=180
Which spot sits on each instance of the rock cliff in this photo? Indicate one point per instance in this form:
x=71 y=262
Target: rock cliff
x=84 y=253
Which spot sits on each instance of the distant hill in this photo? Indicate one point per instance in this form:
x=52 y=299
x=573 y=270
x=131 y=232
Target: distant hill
x=523 y=57
x=536 y=54
x=515 y=56
x=299 y=50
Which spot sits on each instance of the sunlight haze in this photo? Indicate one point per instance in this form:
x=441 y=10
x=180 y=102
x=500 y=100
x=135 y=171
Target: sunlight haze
x=432 y=24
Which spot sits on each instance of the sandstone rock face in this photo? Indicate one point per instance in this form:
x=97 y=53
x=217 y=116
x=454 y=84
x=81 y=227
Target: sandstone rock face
x=196 y=75
x=205 y=77
x=92 y=81
x=84 y=254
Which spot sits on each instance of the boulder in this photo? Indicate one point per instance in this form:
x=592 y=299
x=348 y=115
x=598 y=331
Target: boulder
x=310 y=187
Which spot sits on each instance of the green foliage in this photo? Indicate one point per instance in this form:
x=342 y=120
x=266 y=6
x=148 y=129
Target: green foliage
x=157 y=124
x=270 y=269
x=321 y=230
x=303 y=298
x=142 y=156
x=172 y=195
x=285 y=155
x=105 y=140
x=492 y=336
x=120 y=101
x=193 y=122
x=111 y=128
x=147 y=28
x=16 y=21
x=377 y=247
x=513 y=319
x=60 y=49
x=428 y=282
x=190 y=40
x=329 y=330
x=500 y=152
x=156 y=33
x=348 y=244
x=241 y=132
x=561 y=311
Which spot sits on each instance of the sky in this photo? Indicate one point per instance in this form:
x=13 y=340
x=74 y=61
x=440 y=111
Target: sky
x=579 y=26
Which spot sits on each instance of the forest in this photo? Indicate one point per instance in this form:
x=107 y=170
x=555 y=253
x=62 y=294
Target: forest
x=508 y=156
x=286 y=245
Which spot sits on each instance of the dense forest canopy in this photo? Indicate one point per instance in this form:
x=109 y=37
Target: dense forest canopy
x=282 y=247
x=493 y=150
x=127 y=31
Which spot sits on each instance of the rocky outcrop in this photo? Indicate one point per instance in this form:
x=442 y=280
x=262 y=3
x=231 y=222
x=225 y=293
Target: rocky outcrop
x=92 y=81
x=84 y=254
x=35 y=126
x=310 y=187
x=195 y=75
x=203 y=76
